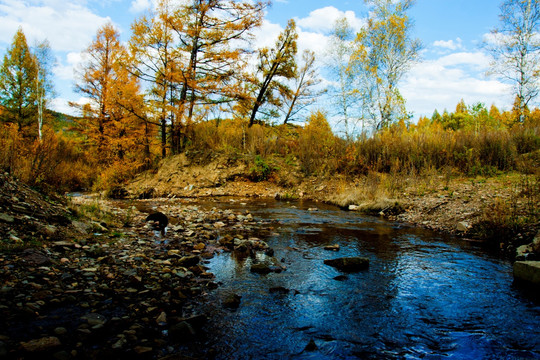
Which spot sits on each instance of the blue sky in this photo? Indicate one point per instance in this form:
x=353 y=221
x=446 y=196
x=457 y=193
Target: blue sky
x=453 y=65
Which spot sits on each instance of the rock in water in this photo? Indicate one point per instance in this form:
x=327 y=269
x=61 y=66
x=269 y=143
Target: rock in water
x=349 y=264
x=232 y=301
x=311 y=346
x=159 y=220
x=527 y=271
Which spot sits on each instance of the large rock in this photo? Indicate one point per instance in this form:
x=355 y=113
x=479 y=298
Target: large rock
x=349 y=264
x=527 y=271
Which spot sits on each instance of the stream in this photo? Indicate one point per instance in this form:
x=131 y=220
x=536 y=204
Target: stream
x=425 y=295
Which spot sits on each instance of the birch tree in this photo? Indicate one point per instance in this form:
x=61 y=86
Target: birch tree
x=384 y=52
x=340 y=51
x=515 y=47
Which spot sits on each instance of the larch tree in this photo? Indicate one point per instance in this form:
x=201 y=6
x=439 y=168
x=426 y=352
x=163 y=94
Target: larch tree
x=156 y=61
x=384 y=52
x=105 y=81
x=213 y=36
x=515 y=47
x=18 y=81
x=276 y=63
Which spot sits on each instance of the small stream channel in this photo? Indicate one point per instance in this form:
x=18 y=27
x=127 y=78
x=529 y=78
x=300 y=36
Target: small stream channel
x=424 y=296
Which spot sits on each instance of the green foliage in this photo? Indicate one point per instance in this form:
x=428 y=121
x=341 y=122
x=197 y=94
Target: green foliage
x=18 y=78
x=261 y=170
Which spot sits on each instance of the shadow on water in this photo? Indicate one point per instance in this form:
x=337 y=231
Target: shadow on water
x=424 y=295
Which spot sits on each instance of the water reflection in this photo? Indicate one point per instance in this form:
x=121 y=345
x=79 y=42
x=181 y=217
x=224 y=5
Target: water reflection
x=423 y=296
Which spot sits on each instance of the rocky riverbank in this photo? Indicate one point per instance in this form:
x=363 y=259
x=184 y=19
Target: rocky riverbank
x=92 y=290
x=89 y=278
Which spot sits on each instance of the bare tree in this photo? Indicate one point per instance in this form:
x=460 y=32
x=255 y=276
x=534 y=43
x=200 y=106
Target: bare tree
x=515 y=48
x=304 y=92
x=275 y=63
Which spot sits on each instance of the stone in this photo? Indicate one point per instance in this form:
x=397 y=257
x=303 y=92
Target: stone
x=62 y=355
x=181 y=331
x=6 y=218
x=349 y=264
x=463 y=226
x=232 y=301
x=527 y=271
x=334 y=247
x=261 y=268
x=41 y=345
x=162 y=319
x=142 y=349
x=94 y=319
x=35 y=257
x=311 y=346
x=354 y=207
x=60 y=330
x=3 y=349
x=279 y=290
x=188 y=261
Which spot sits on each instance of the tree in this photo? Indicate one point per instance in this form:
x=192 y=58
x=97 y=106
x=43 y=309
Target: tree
x=104 y=80
x=304 y=92
x=274 y=63
x=515 y=48
x=155 y=61
x=384 y=52
x=18 y=81
x=211 y=35
x=192 y=53
x=345 y=96
x=44 y=85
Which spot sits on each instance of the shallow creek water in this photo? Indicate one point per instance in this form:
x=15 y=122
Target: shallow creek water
x=424 y=296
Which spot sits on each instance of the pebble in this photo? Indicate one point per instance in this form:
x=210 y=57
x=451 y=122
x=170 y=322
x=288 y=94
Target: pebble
x=151 y=282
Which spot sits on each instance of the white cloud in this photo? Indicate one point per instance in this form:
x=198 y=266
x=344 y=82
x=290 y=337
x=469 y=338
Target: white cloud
x=323 y=20
x=68 y=25
x=477 y=60
x=441 y=83
x=138 y=6
x=449 y=44
x=64 y=71
x=266 y=35
x=313 y=41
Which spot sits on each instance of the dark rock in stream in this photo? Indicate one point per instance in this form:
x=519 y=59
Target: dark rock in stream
x=349 y=264
x=311 y=346
x=188 y=261
x=279 y=290
x=232 y=301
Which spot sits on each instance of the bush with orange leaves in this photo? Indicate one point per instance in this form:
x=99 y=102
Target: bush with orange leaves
x=54 y=163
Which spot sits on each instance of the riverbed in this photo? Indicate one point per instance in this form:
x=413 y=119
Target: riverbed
x=424 y=295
